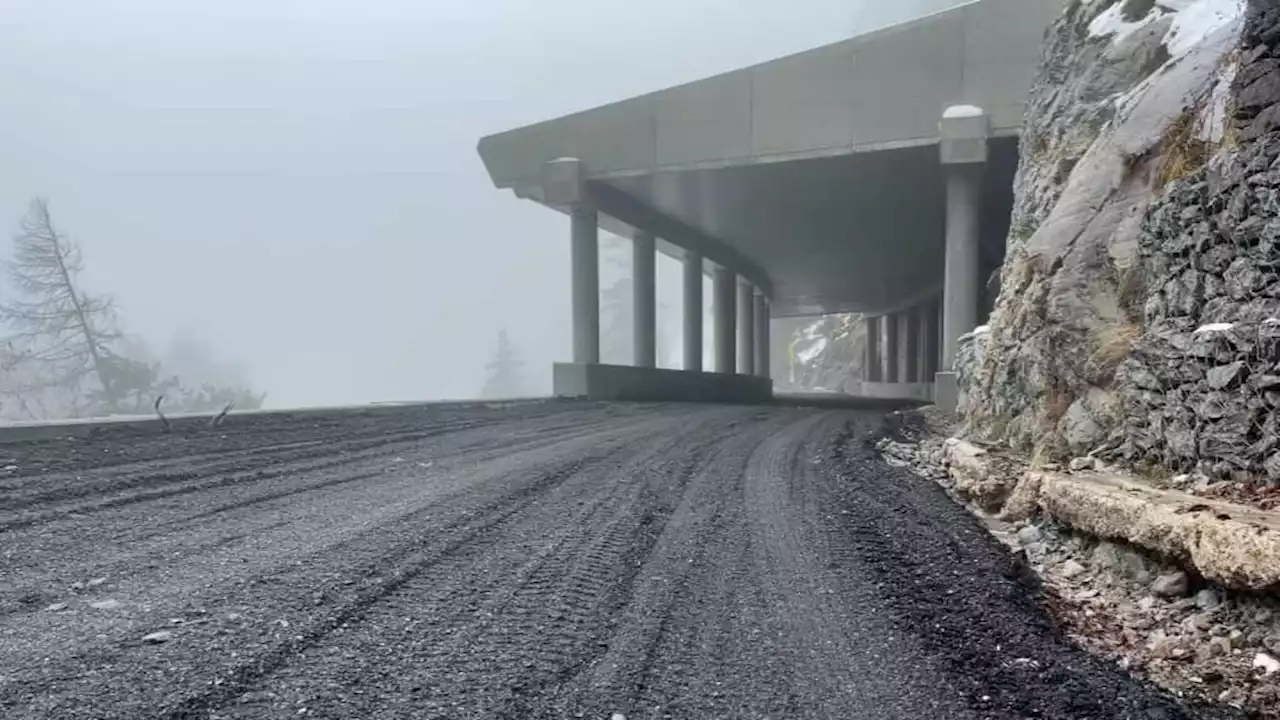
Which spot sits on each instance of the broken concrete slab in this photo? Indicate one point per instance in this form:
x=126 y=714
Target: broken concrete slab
x=975 y=478
x=1235 y=545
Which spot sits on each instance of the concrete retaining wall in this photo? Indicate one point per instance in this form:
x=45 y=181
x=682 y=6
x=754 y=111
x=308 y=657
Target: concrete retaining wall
x=617 y=382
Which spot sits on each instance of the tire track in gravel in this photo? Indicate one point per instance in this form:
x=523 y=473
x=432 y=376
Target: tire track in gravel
x=490 y=629
x=692 y=618
x=146 y=543
x=222 y=448
x=220 y=471
x=658 y=561
x=373 y=563
x=113 y=447
x=414 y=574
x=232 y=473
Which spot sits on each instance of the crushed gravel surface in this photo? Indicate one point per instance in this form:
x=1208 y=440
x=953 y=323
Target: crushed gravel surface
x=533 y=560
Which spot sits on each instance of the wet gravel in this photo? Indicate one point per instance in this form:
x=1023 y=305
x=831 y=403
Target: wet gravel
x=536 y=560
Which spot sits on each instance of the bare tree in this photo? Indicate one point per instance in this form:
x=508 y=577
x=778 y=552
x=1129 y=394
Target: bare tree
x=57 y=326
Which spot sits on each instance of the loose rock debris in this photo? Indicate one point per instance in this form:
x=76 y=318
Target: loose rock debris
x=1148 y=616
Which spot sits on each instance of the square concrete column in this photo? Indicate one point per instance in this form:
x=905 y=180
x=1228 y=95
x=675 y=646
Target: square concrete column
x=934 y=335
x=964 y=130
x=724 y=305
x=762 y=348
x=644 y=300
x=927 y=344
x=746 y=328
x=692 y=281
x=564 y=184
x=892 y=348
x=912 y=353
x=586 y=284
x=874 y=369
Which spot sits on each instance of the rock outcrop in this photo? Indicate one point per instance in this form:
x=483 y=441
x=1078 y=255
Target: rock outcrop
x=825 y=355
x=1130 y=100
x=1202 y=386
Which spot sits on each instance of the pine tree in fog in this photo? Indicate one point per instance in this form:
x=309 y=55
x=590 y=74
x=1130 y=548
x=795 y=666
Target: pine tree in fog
x=505 y=370
x=55 y=325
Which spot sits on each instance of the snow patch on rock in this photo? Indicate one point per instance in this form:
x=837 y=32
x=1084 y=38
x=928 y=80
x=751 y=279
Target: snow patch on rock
x=1199 y=19
x=962 y=111
x=1112 y=22
x=1214 y=327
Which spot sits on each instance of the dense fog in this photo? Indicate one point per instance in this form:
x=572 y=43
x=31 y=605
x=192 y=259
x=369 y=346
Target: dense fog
x=284 y=195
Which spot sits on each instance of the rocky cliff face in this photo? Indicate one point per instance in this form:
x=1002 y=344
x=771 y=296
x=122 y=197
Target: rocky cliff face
x=1129 y=104
x=1202 y=385
x=825 y=354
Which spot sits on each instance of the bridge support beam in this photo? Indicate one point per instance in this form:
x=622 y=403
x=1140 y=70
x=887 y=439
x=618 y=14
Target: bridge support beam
x=872 y=369
x=929 y=337
x=644 y=300
x=746 y=328
x=892 y=347
x=586 y=284
x=762 y=347
x=964 y=131
x=692 y=298
x=724 y=309
x=912 y=355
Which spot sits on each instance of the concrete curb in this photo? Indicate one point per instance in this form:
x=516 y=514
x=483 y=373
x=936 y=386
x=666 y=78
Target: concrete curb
x=1235 y=545
x=81 y=427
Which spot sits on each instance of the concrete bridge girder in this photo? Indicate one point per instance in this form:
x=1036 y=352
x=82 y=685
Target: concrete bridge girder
x=784 y=178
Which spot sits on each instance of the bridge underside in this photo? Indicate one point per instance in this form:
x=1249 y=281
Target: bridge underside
x=872 y=176
x=853 y=233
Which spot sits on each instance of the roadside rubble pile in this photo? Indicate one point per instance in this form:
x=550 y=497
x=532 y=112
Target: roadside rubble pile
x=1123 y=570
x=1159 y=620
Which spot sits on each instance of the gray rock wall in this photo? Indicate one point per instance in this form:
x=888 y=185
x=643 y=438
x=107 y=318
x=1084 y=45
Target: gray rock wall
x=1108 y=98
x=1202 y=385
x=825 y=354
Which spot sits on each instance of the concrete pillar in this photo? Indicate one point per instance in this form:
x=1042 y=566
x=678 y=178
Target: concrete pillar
x=960 y=301
x=963 y=131
x=724 y=308
x=586 y=285
x=892 y=347
x=874 y=370
x=762 y=348
x=644 y=300
x=913 y=354
x=932 y=336
x=746 y=328
x=692 y=311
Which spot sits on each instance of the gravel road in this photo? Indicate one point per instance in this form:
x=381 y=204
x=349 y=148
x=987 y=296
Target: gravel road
x=533 y=560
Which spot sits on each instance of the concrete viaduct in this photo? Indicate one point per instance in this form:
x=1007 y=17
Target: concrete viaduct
x=873 y=175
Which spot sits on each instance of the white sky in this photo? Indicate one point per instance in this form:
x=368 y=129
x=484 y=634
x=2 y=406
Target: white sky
x=297 y=179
